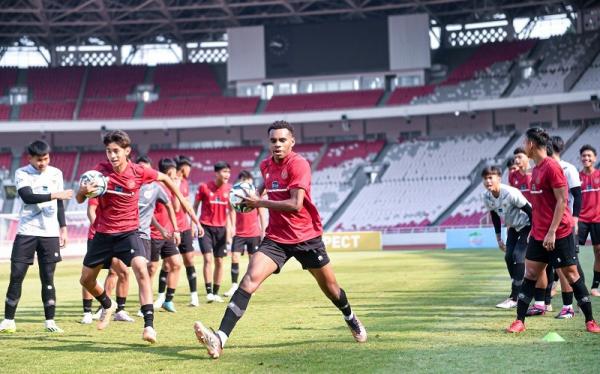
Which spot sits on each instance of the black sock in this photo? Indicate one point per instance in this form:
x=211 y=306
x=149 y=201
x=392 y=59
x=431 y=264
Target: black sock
x=527 y=290
x=148 y=312
x=596 y=281
x=235 y=310
x=87 y=305
x=104 y=300
x=191 y=276
x=518 y=273
x=209 y=288
x=548 y=294
x=170 y=294
x=342 y=304
x=121 y=303
x=514 y=291
x=235 y=272
x=583 y=299
x=540 y=294
x=567 y=298
x=216 y=288
x=162 y=281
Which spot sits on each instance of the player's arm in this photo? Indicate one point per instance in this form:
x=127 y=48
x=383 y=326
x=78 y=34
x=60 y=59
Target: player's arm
x=173 y=219
x=527 y=209
x=175 y=190
x=62 y=223
x=498 y=230
x=26 y=194
x=165 y=234
x=293 y=204
x=577 y=202
x=83 y=190
x=559 y=210
x=91 y=213
x=230 y=226
x=263 y=220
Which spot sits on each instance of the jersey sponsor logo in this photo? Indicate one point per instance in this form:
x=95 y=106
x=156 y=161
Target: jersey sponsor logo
x=119 y=189
x=274 y=185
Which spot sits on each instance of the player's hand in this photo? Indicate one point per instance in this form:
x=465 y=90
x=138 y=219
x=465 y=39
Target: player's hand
x=576 y=225
x=200 y=231
x=63 y=195
x=62 y=239
x=252 y=201
x=177 y=238
x=549 y=240
x=194 y=231
x=88 y=188
x=165 y=234
x=501 y=245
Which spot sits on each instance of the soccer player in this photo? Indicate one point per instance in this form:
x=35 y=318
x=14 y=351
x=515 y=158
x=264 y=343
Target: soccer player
x=187 y=233
x=249 y=230
x=521 y=178
x=294 y=230
x=117 y=224
x=508 y=203
x=216 y=223
x=589 y=220
x=511 y=165
x=42 y=229
x=551 y=241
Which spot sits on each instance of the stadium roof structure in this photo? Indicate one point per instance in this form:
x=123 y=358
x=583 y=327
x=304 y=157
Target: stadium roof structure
x=121 y=22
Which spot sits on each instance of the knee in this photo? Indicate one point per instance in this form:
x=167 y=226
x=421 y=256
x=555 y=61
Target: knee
x=249 y=283
x=530 y=274
x=219 y=261
x=86 y=281
x=174 y=264
x=208 y=261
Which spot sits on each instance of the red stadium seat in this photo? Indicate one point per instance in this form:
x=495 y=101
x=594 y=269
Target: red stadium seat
x=323 y=101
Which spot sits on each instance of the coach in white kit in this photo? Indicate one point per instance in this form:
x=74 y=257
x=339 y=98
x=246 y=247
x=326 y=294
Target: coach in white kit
x=42 y=230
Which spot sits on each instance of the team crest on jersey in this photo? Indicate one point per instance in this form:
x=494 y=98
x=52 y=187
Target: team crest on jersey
x=596 y=180
x=284 y=174
x=275 y=185
x=537 y=180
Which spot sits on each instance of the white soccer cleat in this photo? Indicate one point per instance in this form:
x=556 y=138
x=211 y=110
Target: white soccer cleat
x=96 y=316
x=139 y=313
x=232 y=290
x=8 y=326
x=194 y=301
x=105 y=315
x=218 y=299
x=507 y=304
x=160 y=300
x=149 y=335
x=52 y=327
x=595 y=292
x=87 y=319
x=359 y=333
x=209 y=339
x=122 y=316
x=210 y=298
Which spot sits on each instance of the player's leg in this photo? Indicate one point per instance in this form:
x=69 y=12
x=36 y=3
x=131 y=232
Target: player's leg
x=550 y=277
x=49 y=294
x=110 y=283
x=539 y=306
x=207 y=272
x=219 y=254
x=596 y=279
x=567 y=310
x=88 y=280
x=172 y=260
x=509 y=259
x=186 y=248
x=268 y=260
x=122 y=289
x=235 y=271
x=155 y=250
x=87 y=299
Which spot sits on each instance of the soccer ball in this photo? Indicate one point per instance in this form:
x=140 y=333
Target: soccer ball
x=238 y=191
x=94 y=176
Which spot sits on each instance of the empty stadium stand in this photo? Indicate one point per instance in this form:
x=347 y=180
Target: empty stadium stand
x=200 y=106
x=323 y=101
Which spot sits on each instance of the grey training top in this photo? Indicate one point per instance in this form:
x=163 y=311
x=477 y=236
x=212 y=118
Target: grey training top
x=149 y=195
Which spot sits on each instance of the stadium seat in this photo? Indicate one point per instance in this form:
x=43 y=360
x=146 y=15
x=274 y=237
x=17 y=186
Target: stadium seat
x=323 y=101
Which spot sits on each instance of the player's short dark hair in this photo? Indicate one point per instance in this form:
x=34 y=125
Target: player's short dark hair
x=38 y=148
x=277 y=125
x=491 y=170
x=558 y=144
x=144 y=159
x=164 y=164
x=587 y=147
x=222 y=165
x=118 y=137
x=245 y=174
x=510 y=162
x=519 y=150
x=539 y=137
x=182 y=160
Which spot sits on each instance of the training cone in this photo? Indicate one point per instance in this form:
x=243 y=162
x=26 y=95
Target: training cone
x=552 y=337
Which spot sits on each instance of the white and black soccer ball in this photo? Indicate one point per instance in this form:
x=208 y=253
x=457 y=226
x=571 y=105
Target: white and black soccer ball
x=94 y=176
x=238 y=191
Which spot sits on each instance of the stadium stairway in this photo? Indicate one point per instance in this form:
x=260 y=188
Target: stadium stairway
x=384 y=98
x=317 y=160
x=510 y=144
x=515 y=71
x=81 y=95
x=576 y=74
x=262 y=105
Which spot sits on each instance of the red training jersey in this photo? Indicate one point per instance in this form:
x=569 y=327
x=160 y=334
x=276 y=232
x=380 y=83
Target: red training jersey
x=546 y=176
x=247 y=224
x=590 y=197
x=521 y=182
x=183 y=221
x=215 y=203
x=293 y=172
x=161 y=214
x=119 y=212
x=92 y=230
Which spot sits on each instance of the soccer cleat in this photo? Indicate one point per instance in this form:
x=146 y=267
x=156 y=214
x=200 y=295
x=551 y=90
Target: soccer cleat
x=122 y=316
x=549 y=308
x=51 y=326
x=209 y=339
x=592 y=326
x=516 y=327
x=595 y=292
x=357 y=329
x=149 y=334
x=159 y=300
x=96 y=316
x=507 y=304
x=554 y=290
x=87 y=319
x=565 y=313
x=8 y=326
x=232 y=290
x=139 y=313
x=218 y=299
x=104 y=319
x=194 y=300
x=210 y=298
x=536 y=310
x=169 y=306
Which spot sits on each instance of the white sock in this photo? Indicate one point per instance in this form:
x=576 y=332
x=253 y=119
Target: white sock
x=223 y=338
x=540 y=303
x=568 y=306
x=195 y=293
x=161 y=295
x=349 y=317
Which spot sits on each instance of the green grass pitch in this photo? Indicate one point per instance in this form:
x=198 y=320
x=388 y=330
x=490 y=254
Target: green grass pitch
x=426 y=311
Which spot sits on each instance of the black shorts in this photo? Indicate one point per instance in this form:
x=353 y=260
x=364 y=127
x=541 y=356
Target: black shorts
x=147 y=248
x=564 y=253
x=124 y=246
x=592 y=228
x=163 y=248
x=311 y=254
x=241 y=244
x=187 y=242
x=214 y=241
x=25 y=247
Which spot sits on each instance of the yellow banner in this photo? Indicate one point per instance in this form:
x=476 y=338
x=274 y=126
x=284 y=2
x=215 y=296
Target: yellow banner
x=353 y=241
